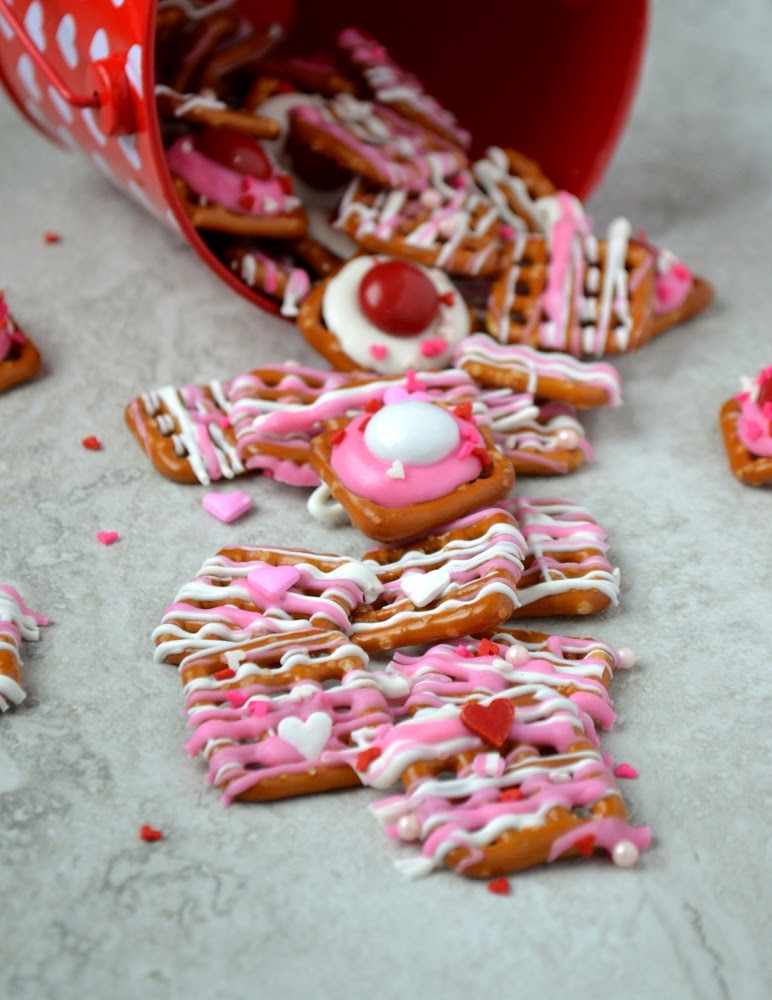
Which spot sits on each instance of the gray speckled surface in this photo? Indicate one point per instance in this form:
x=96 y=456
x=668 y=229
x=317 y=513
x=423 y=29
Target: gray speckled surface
x=301 y=898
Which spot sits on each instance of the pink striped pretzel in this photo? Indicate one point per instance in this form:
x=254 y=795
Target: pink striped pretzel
x=17 y=623
x=566 y=571
x=500 y=763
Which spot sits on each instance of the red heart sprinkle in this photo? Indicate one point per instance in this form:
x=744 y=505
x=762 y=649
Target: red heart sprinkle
x=499 y=886
x=488 y=648
x=92 y=443
x=373 y=406
x=585 y=845
x=224 y=675
x=247 y=202
x=447 y=298
x=482 y=454
x=364 y=423
x=463 y=411
x=366 y=757
x=490 y=722
x=511 y=795
x=149 y=834
x=52 y=237
x=337 y=436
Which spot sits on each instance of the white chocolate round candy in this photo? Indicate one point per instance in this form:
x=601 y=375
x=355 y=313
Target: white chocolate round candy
x=624 y=854
x=413 y=432
x=408 y=827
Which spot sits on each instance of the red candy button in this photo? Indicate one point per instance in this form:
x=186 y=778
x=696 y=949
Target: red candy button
x=235 y=151
x=398 y=298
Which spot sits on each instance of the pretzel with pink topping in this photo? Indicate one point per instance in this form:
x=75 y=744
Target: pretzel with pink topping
x=19 y=358
x=271 y=744
x=369 y=139
x=17 y=623
x=746 y=426
x=444 y=584
x=271 y=614
x=499 y=761
x=395 y=484
x=394 y=87
x=566 y=571
x=545 y=374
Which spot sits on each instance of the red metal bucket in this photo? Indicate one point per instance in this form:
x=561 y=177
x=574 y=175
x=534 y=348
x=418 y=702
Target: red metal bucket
x=554 y=79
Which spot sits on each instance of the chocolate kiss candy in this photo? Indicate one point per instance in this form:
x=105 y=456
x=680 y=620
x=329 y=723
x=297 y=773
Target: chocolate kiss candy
x=398 y=298
x=490 y=722
x=234 y=150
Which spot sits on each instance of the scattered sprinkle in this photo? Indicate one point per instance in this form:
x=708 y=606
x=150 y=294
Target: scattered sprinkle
x=364 y=423
x=92 y=443
x=625 y=771
x=52 y=237
x=463 y=411
x=373 y=405
x=433 y=346
x=396 y=470
x=511 y=795
x=482 y=454
x=147 y=833
x=337 y=436
x=224 y=422
x=585 y=845
x=366 y=757
x=226 y=507
x=447 y=298
x=224 y=675
x=499 y=887
x=465 y=450
x=488 y=648
x=378 y=351
x=107 y=537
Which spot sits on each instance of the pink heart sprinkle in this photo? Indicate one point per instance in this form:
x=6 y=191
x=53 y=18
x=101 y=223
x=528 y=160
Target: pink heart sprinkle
x=258 y=708
x=625 y=771
x=226 y=507
x=267 y=584
x=378 y=351
x=107 y=537
x=466 y=449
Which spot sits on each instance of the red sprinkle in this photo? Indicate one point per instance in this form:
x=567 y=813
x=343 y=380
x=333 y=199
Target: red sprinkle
x=488 y=648
x=499 y=886
x=585 y=845
x=92 y=443
x=337 y=436
x=463 y=411
x=365 y=422
x=366 y=757
x=373 y=405
x=247 y=202
x=482 y=454
x=224 y=675
x=147 y=833
x=511 y=795
x=447 y=298
x=52 y=237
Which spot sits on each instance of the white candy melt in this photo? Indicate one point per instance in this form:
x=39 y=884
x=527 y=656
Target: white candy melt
x=413 y=431
x=422 y=588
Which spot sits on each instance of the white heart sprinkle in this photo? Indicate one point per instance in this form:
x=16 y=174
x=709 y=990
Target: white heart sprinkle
x=234 y=657
x=65 y=39
x=308 y=737
x=99 y=48
x=26 y=73
x=33 y=22
x=397 y=470
x=422 y=588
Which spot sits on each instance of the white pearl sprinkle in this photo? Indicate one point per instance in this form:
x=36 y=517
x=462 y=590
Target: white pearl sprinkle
x=408 y=827
x=625 y=658
x=517 y=655
x=567 y=438
x=625 y=854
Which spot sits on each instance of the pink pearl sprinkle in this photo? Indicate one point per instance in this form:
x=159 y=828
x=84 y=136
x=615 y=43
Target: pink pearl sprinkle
x=517 y=655
x=430 y=198
x=408 y=827
x=507 y=233
x=625 y=854
x=625 y=658
x=567 y=438
x=448 y=226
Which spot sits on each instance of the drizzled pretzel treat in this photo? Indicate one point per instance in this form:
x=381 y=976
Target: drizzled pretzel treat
x=19 y=358
x=394 y=484
x=499 y=758
x=17 y=623
x=746 y=426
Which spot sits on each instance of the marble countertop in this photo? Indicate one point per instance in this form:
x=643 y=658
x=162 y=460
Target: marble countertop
x=301 y=898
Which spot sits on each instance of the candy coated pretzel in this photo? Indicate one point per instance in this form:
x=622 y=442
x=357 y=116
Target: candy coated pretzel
x=566 y=571
x=746 y=426
x=450 y=225
x=444 y=584
x=19 y=358
x=513 y=183
x=17 y=623
x=371 y=140
x=568 y=291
